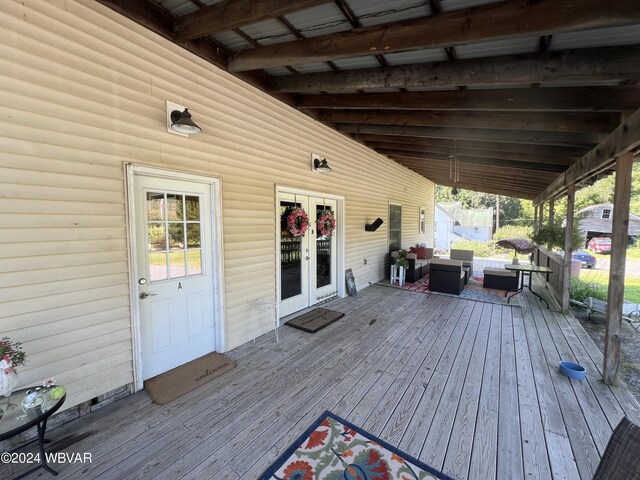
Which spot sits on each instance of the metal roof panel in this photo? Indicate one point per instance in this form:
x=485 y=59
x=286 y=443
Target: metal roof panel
x=367 y=61
x=511 y=46
x=377 y=12
x=416 y=56
x=596 y=38
x=321 y=20
x=268 y=32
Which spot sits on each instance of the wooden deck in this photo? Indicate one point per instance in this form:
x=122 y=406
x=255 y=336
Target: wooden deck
x=471 y=388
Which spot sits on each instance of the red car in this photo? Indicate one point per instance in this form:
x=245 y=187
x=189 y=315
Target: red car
x=600 y=245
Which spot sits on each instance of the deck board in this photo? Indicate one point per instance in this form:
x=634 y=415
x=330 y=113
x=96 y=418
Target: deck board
x=471 y=388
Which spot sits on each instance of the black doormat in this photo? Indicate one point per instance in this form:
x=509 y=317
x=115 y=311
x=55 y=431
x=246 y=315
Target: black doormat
x=315 y=320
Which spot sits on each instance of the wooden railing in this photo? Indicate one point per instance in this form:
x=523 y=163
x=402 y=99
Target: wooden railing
x=554 y=281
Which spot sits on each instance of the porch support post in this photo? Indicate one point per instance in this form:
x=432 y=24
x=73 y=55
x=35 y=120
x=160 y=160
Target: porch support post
x=535 y=218
x=552 y=214
x=619 y=241
x=568 y=248
x=541 y=215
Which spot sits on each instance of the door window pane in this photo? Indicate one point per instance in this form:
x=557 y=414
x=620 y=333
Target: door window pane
x=192 y=207
x=323 y=254
x=174 y=207
x=290 y=257
x=194 y=262
x=177 y=264
x=155 y=206
x=193 y=235
x=157 y=266
x=174 y=244
x=176 y=235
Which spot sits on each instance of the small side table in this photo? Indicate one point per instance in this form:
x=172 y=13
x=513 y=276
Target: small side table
x=397 y=274
x=33 y=407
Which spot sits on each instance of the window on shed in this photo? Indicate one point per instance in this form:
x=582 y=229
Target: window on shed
x=606 y=213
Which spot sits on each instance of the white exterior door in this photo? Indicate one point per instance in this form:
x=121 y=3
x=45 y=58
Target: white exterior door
x=175 y=284
x=308 y=264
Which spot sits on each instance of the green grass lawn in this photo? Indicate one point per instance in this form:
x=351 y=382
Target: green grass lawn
x=601 y=277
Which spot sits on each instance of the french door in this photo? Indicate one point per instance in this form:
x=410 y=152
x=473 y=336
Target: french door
x=308 y=263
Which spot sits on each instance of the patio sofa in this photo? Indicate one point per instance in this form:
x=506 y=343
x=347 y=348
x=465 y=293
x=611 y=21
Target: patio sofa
x=466 y=256
x=446 y=276
x=500 y=279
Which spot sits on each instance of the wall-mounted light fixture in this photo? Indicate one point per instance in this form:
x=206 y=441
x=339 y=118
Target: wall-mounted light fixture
x=179 y=120
x=372 y=227
x=319 y=164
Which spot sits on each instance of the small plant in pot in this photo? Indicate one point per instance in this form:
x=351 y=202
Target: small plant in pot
x=401 y=259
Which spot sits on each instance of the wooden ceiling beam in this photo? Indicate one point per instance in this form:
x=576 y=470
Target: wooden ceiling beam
x=533 y=121
x=464 y=152
x=230 y=14
x=503 y=20
x=546 y=171
x=516 y=193
x=506 y=182
x=623 y=139
x=569 y=139
x=570 y=153
x=602 y=63
x=578 y=99
x=497 y=180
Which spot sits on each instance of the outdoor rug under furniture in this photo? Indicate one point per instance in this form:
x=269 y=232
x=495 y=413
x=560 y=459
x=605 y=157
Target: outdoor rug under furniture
x=334 y=449
x=315 y=320
x=472 y=291
x=179 y=381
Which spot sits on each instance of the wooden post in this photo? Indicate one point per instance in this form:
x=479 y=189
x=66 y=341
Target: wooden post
x=535 y=218
x=568 y=248
x=619 y=242
x=541 y=215
x=552 y=214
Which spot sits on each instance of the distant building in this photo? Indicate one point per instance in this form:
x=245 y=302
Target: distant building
x=597 y=221
x=453 y=223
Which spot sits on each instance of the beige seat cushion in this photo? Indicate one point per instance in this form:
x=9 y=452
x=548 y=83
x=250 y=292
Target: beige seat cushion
x=445 y=261
x=500 y=272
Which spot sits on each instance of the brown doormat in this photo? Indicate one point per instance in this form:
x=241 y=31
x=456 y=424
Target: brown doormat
x=168 y=386
x=315 y=320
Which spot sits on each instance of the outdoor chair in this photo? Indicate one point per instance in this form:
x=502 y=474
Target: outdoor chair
x=620 y=458
x=465 y=255
x=446 y=276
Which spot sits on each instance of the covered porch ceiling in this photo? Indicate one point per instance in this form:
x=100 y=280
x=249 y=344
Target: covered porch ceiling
x=519 y=91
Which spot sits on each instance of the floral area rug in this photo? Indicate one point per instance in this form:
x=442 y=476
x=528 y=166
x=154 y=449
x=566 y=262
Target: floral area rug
x=334 y=449
x=472 y=291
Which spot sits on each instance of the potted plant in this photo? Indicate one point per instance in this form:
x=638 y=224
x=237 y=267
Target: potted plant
x=11 y=356
x=552 y=235
x=401 y=259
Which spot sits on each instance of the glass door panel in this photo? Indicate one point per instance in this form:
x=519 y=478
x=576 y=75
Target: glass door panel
x=323 y=258
x=290 y=256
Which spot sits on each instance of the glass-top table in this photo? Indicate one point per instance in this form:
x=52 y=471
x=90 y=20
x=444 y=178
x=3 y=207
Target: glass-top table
x=526 y=271
x=27 y=408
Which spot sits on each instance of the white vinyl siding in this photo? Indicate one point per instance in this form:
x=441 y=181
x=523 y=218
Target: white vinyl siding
x=83 y=92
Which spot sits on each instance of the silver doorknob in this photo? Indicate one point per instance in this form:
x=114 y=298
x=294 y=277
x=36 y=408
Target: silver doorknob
x=306 y=258
x=144 y=295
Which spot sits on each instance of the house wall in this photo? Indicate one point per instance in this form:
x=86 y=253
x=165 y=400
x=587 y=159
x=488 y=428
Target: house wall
x=443 y=230
x=83 y=93
x=592 y=221
x=482 y=234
